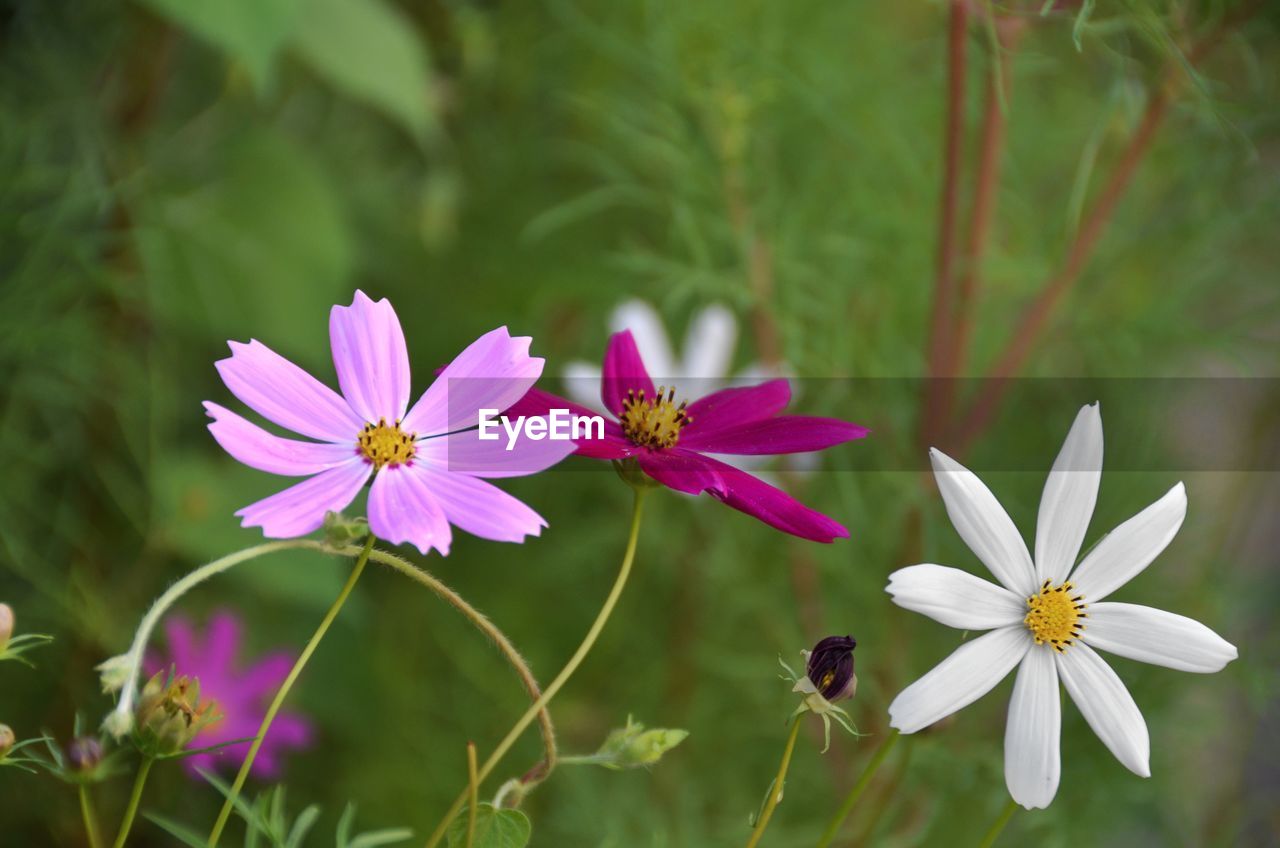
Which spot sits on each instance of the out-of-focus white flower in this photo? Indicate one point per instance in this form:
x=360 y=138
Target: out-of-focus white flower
x=1045 y=624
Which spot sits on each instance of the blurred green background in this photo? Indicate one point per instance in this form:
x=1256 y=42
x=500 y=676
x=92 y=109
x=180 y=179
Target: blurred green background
x=175 y=175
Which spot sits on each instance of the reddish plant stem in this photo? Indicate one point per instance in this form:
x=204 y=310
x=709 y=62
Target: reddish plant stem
x=935 y=411
x=985 y=193
x=1037 y=314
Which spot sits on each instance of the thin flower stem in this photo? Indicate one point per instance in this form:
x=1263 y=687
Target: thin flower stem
x=775 y=788
x=473 y=791
x=283 y=692
x=90 y=818
x=134 y=798
x=619 y=583
x=997 y=826
x=487 y=627
x=860 y=787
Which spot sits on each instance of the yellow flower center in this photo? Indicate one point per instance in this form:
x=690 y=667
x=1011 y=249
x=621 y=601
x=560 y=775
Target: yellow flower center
x=654 y=423
x=386 y=444
x=1053 y=616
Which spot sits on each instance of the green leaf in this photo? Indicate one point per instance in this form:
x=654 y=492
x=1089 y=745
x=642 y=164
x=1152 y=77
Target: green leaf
x=181 y=832
x=494 y=829
x=250 y=31
x=369 y=51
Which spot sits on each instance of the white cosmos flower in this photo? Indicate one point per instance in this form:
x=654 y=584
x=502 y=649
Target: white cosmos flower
x=708 y=350
x=1048 y=626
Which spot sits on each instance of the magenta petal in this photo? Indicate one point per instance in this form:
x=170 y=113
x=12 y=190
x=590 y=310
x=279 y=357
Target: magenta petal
x=466 y=453
x=256 y=448
x=371 y=358
x=482 y=509
x=300 y=509
x=492 y=373
x=623 y=372
x=265 y=676
x=537 y=404
x=692 y=473
x=404 y=508
x=281 y=392
x=782 y=434
x=731 y=407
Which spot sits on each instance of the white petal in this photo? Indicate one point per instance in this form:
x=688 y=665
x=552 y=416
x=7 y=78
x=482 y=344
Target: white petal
x=954 y=597
x=1107 y=705
x=984 y=525
x=1032 y=755
x=970 y=672
x=1069 y=496
x=1131 y=547
x=582 y=383
x=1157 y=637
x=709 y=344
x=651 y=337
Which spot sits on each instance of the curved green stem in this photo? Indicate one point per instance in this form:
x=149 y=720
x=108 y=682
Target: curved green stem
x=861 y=786
x=90 y=818
x=488 y=628
x=570 y=667
x=120 y=720
x=134 y=798
x=775 y=788
x=283 y=692
x=997 y=826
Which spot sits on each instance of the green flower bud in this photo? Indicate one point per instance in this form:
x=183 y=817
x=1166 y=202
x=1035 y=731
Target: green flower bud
x=340 y=531
x=170 y=714
x=7 y=740
x=6 y=624
x=633 y=746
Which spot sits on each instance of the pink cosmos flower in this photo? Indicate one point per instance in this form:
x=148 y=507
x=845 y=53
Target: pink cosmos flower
x=425 y=463
x=670 y=439
x=241 y=695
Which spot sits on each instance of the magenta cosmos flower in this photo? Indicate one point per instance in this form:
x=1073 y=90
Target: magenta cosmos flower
x=669 y=438
x=241 y=695
x=426 y=461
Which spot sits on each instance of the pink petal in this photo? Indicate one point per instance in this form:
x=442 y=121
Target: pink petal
x=537 y=404
x=221 y=643
x=466 y=453
x=692 y=473
x=403 y=508
x=493 y=372
x=181 y=639
x=783 y=434
x=281 y=392
x=256 y=448
x=732 y=407
x=623 y=372
x=300 y=509
x=370 y=356
x=480 y=508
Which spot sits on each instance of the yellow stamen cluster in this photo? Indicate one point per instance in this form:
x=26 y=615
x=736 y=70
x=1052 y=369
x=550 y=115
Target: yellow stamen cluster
x=653 y=423
x=1054 y=615
x=384 y=444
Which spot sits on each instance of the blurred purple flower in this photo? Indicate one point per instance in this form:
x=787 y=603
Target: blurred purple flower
x=241 y=694
x=426 y=461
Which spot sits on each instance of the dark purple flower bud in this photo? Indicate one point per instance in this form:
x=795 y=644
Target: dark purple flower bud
x=84 y=753
x=830 y=667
